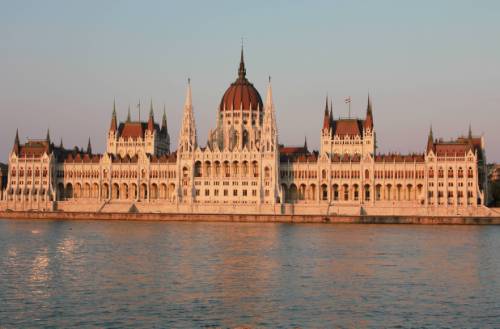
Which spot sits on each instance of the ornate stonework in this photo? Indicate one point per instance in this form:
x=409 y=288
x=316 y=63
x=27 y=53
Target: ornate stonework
x=243 y=168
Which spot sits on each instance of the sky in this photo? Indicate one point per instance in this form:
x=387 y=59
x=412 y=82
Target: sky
x=62 y=63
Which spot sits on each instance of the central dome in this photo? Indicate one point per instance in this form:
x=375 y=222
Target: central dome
x=241 y=93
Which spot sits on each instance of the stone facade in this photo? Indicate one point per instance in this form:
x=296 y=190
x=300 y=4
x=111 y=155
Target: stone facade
x=244 y=169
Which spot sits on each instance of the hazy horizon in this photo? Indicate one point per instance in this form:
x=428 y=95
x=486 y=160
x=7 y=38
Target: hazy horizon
x=63 y=64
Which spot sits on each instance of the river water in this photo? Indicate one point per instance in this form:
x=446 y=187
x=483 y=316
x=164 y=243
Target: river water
x=204 y=275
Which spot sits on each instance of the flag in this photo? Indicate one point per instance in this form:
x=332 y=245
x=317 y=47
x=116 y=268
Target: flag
x=347 y=100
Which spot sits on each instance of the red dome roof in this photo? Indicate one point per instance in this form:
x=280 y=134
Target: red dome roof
x=241 y=93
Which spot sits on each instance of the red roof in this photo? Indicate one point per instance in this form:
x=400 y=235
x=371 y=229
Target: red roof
x=241 y=93
x=34 y=148
x=347 y=127
x=134 y=129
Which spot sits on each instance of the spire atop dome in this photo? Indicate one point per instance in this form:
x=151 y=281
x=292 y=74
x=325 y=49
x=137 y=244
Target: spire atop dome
x=242 y=72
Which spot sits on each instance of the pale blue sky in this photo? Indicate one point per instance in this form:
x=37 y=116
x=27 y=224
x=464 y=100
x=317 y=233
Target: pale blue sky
x=423 y=62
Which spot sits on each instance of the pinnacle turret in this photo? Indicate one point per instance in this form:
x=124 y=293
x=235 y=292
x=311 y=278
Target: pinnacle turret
x=89 y=147
x=16 y=146
x=151 y=120
x=113 y=125
x=369 y=115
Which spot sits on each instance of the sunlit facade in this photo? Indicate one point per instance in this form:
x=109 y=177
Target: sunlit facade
x=244 y=169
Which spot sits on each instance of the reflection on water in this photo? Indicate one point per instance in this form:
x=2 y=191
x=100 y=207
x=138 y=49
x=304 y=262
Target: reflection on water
x=196 y=275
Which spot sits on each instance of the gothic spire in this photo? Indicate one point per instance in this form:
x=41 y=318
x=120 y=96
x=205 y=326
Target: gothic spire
x=470 y=132
x=151 y=120
x=61 y=146
x=47 y=138
x=430 y=141
x=305 y=143
x=164 y=119
x=113 y=125
x=326 y=117
x=89 y=147
x=270 y=136
x=15 y=148
x=369 y=115
x=242 y=72
x=128 y=114
x=187 y=136
x=189 y=100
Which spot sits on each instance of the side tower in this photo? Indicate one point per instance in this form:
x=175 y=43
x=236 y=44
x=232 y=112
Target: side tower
x=351 y=136
x=130 y=137
x=270 y=151
x=185 y=151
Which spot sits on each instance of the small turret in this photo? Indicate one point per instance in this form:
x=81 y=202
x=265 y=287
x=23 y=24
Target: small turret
x=369 y=115
x=113 y=126
x=164 y=127
x=89 y=147
x=16 y=146
x=430 y=141
x=326 y=117
x=151 y=120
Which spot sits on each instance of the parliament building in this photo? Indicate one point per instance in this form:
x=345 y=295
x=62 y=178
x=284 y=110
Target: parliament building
x=243 y=168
